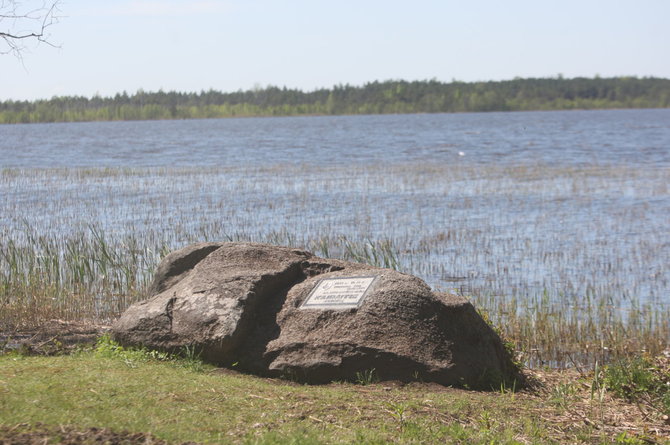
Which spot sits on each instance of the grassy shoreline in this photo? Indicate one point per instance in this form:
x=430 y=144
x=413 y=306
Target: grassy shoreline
x=90 y=279
x=566 y=291
x=62 y=281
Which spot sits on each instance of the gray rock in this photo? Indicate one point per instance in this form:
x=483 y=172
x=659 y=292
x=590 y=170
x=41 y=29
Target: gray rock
x=178 y=263
x=222 y=305
x=240 y=303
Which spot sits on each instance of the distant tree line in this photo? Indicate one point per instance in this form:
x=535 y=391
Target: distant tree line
x=393 y=96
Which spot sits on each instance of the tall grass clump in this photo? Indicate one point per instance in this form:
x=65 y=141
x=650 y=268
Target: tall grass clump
x=642 y=379
x=84 y=276
x=90 y=275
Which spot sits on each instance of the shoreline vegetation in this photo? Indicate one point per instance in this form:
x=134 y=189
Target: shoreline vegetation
x=387 y=97
x=92 y=277
x=75 y=270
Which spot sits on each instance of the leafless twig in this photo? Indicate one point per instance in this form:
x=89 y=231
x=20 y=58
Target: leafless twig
x=24 y=21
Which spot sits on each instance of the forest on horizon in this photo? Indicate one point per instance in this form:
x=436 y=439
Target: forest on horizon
x=387 y=97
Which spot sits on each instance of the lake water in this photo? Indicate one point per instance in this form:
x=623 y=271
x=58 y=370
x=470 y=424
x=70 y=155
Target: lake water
x=619 y=137
x=559 y=205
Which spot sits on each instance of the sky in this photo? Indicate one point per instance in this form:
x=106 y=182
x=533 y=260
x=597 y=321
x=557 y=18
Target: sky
x=109 y=46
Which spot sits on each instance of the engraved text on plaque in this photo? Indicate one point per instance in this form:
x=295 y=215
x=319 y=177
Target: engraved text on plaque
x=338 y=293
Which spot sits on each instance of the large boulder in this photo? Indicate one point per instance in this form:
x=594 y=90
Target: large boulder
x=281 y=311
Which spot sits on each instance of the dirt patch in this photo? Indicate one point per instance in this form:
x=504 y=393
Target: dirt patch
x=24 y=434
x=573 y=401
x=51 y=338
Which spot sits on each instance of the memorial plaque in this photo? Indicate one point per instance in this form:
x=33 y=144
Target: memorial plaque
x=338 y=293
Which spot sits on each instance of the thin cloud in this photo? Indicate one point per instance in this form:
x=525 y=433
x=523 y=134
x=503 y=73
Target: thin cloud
x=153 y=8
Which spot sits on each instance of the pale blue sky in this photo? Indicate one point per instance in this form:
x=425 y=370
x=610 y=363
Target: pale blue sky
x=114 y=45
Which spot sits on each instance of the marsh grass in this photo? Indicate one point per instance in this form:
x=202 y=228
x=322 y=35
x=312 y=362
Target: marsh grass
x=571 y=263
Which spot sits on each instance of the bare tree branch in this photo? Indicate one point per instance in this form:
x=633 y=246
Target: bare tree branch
x=25 y=21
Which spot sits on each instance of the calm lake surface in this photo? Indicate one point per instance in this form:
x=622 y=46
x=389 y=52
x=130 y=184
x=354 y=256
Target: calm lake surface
x=573 y=138
x=559 y=205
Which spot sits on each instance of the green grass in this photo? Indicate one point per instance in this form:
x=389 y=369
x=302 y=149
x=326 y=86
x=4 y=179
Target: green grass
x=178 y=404
x=177 y=400
x=641 y=380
